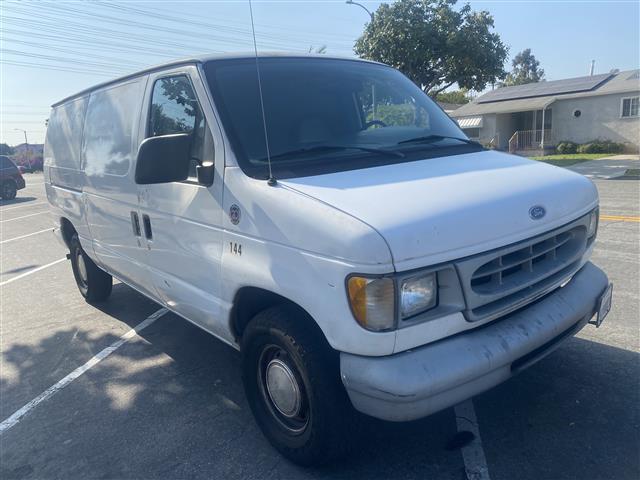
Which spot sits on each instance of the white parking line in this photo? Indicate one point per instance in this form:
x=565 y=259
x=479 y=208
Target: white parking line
x=22 y=206
x=27 y=235
x=24 y=216
x=475 y=463
x=93 y=361
x=26 y=274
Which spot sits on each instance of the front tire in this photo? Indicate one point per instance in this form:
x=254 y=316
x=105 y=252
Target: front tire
x=9 y=190
x=94 y=284
x=292 y=382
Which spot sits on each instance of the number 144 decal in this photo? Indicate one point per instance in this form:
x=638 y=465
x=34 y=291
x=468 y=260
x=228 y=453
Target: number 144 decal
x=235 y=248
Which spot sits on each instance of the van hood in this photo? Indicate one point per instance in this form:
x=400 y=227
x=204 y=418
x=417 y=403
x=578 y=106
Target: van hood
x=440 y=209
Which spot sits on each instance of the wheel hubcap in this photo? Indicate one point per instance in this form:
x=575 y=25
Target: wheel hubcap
x=283 y=388
x=82 y=268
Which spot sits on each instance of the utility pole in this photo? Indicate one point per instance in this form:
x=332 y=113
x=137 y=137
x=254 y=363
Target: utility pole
x=26 y=146
x=351 y=2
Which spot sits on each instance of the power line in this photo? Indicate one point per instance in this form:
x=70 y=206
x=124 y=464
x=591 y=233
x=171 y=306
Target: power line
x=186 y=19
x=66 y=59
x=41 y=66
x=67 y=50
x=244 y=34
x=58 y=11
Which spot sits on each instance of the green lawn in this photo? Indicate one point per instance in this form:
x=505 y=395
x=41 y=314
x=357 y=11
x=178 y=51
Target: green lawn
x=570 y=159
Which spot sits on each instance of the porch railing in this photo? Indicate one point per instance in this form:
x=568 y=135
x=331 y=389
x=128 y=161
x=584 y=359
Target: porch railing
x=530 y=140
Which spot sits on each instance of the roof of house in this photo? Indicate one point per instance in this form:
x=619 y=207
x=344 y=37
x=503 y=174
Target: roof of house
x=449 y=107
x=535 y=96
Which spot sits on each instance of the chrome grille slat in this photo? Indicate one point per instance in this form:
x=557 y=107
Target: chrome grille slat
x=506 y=278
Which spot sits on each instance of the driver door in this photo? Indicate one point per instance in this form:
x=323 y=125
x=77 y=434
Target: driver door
x=181 y=221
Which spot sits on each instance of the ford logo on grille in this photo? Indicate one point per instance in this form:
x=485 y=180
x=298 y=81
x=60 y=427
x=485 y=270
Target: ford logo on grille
x=537 y=212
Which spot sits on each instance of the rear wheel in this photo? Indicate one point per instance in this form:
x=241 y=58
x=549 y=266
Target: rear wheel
x=292 y=381
x=94 y=284
x=9 y=190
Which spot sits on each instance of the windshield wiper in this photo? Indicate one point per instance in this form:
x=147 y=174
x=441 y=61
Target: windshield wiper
x=322 y=148
x=437 y=138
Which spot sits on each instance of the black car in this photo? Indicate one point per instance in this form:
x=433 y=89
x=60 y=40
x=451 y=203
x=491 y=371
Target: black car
x=10 y=178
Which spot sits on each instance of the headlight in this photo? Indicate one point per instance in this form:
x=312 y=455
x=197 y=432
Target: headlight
x=418 y=294
x=373 y=302
x=593 y=223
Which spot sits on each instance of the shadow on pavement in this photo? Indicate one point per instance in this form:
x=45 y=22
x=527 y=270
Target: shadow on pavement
x=170 y=404
x=17 y=200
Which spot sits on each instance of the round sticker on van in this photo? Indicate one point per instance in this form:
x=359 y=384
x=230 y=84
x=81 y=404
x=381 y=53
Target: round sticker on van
x=234 y=214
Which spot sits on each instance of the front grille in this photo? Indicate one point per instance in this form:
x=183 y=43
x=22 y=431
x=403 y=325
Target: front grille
x=508 y=278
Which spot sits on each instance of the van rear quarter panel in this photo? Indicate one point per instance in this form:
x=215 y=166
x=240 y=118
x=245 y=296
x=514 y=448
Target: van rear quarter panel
x=64 y=179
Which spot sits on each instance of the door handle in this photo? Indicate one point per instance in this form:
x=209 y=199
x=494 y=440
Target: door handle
x=146 y=221
x=135 y=223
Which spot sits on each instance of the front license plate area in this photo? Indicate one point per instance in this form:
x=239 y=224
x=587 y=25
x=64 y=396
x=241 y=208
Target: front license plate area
x=604 y=305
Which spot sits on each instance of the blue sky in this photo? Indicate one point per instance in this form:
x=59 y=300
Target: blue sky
x=51 y=49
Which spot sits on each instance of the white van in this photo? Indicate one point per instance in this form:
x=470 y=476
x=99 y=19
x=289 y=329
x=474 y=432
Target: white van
x=339 y=229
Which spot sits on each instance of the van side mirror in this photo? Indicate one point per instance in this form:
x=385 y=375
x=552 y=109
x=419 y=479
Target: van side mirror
x=163 y=159
x=205 y=174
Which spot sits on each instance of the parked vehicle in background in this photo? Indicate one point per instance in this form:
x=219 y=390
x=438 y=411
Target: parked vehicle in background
x=10 y=178
x=24 y=169
x=335 y=226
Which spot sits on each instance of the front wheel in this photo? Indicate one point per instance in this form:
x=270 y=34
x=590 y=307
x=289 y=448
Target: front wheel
x=292 y=381
x=94 y=284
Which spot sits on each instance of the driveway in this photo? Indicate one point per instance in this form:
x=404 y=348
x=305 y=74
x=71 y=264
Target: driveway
x=608 y=167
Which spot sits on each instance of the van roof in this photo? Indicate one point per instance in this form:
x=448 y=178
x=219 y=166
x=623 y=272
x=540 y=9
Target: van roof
x=199 y=59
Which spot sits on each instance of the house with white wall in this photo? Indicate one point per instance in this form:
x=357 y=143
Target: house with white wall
x=541 y=115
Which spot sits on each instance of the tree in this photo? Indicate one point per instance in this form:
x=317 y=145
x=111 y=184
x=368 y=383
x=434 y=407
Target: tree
x=526 y=69
x=5 y=149
x=434 y=44
x=320 y=50
x=455 y=96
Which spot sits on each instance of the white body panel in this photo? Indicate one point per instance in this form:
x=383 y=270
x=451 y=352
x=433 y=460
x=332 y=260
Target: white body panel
x=440 y=209
x=184 y=255
x=301 y=238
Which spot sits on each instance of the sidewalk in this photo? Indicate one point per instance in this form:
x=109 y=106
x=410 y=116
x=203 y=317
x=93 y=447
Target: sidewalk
x=608 y=167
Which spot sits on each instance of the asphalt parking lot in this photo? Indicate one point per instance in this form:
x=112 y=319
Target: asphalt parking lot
x=169 y=402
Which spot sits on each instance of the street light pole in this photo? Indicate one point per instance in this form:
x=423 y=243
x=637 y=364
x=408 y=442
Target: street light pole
x=351 y=2
x=26 y=145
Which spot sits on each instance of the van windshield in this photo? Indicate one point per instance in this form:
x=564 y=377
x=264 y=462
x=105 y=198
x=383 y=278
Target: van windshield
x=327 y=115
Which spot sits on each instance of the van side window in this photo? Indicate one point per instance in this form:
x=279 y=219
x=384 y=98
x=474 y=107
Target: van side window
x=110 y=129
x=175 y=109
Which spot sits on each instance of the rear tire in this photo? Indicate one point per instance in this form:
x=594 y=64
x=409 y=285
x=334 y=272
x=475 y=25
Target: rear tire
x=94 y=284
x=292 y=382
x=9 y=190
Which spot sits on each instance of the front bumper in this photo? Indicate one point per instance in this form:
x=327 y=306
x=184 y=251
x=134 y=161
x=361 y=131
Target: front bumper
x=422 y=381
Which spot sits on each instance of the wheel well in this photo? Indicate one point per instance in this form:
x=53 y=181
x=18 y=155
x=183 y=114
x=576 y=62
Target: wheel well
x=66 y=227
x=249 y=301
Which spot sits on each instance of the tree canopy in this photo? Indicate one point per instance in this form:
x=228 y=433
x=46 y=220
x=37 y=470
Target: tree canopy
x=434 y=44
x=5 y=149
x=455 y=96
x=526 y=69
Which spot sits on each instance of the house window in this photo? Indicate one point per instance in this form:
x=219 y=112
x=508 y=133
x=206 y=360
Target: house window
x=630 y=106
x=472 y=132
